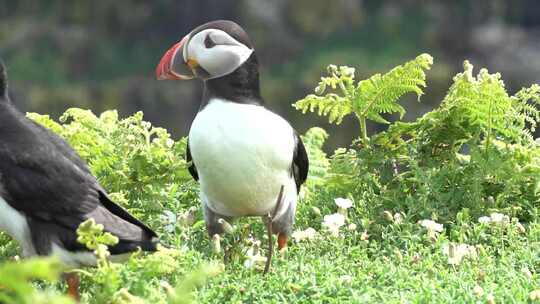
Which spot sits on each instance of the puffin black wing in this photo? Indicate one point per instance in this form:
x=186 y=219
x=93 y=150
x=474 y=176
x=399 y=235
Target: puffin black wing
x=300 y=165
x=192 y=169
x=43 y=177
x=3 y=82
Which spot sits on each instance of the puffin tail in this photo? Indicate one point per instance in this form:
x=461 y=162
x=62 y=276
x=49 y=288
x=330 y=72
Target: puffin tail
x=3 y=81
x=148 y=241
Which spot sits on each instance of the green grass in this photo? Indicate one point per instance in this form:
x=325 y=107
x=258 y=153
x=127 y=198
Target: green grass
x=391 y=270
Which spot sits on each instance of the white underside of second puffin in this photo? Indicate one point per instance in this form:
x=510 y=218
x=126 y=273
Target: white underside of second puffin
x=243 y=155
x=15 y=224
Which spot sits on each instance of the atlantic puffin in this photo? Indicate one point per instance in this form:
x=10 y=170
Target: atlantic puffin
x=47 y=191
x=241 y=153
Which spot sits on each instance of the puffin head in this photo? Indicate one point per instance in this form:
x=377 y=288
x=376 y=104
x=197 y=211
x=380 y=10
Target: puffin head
x=212 y=50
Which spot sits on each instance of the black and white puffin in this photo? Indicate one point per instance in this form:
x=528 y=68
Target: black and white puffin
x=46 y=191
x=241 y=152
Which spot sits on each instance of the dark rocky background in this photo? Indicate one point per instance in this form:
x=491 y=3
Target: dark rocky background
x=102 y=54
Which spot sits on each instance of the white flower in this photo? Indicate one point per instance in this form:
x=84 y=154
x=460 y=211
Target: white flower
x=351 y=227
x=484 y=220
x=398 y=218
x=534 y=295
x=343 y=203
x=527 y=273
x=499 y=218
x=494 y=218
x=364 y=236
x=254 y=257
x=431 y=225
x=456 y=252
x=307 y=234
x=346 y=279
x=333 y=222
x=310 y=233
x=335 y=219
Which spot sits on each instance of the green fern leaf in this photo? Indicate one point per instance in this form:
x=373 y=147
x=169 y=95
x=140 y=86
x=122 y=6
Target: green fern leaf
x=314 y=140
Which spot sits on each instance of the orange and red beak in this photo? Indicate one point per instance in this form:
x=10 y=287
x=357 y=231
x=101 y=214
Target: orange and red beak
x=172 y=65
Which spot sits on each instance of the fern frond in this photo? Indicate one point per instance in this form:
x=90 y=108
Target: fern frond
x=476 y=110
x=319 y=163
x=337 y=95
x=332 y=105
x=526 y=102
x=483 y=103
x=379 y=93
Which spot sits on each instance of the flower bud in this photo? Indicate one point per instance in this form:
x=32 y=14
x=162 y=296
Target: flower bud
x=216 y=243
x=481 y=275
x=388 y=216
x=534 y=295
x=478 y=291
x=319 y=90
x=332 y=69
x=520 y=228
x=228 y=228
x=398 y=254
x=526 y=272
x=364 y=236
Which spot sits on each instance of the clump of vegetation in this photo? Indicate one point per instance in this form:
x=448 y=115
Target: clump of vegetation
x=109 y=280
x=474 y=154
x=446 y=205
x=15 y=281
x=139 y=163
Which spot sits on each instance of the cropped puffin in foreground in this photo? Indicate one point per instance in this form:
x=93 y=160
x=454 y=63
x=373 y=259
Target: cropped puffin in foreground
x=248 y=160
x=47 y=191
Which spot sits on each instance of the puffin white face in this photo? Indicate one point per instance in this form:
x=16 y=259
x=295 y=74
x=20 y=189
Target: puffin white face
x=206 y=54
x=216 y=52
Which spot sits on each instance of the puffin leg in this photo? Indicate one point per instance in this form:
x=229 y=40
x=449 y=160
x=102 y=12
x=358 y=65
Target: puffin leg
x=268 y=220
x=73 y=282
x=213 y=226
x=284 y=225
x=282 y=241
x=211 y=218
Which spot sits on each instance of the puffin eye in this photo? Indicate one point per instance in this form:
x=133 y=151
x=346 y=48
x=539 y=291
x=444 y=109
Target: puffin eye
x=208 y=42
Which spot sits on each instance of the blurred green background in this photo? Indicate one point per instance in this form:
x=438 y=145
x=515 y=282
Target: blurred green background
x=102 y=54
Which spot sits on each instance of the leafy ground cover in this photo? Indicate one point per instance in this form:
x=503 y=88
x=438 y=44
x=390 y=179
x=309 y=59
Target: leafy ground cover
x=442 y=209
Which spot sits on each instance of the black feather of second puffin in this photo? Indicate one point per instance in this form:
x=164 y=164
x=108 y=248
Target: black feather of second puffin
x=42 y=177
x=3 y=81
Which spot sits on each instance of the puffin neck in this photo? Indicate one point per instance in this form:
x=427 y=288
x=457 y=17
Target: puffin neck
x=240 y=86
